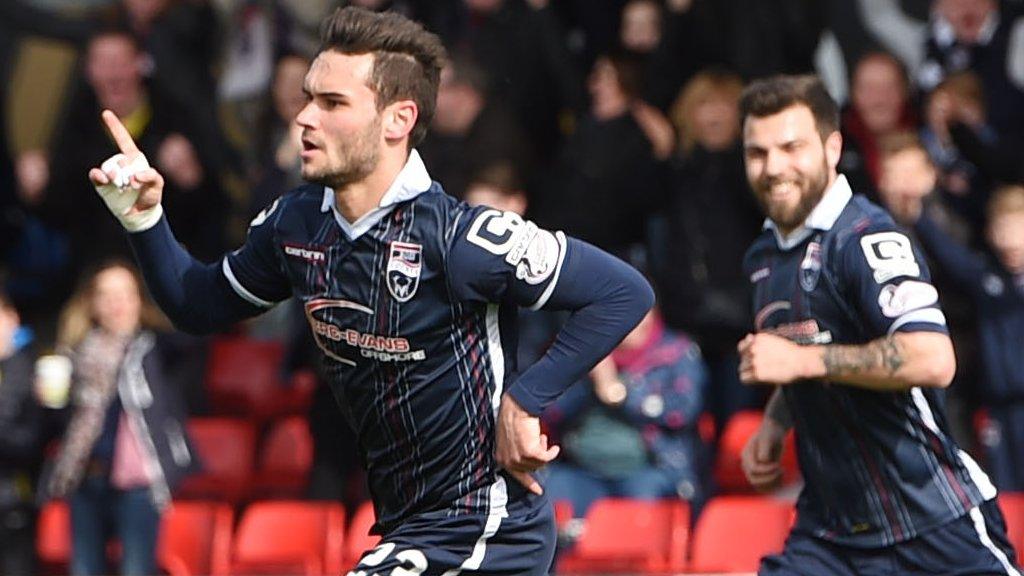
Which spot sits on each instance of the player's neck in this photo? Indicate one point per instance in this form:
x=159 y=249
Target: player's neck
x=356 y=199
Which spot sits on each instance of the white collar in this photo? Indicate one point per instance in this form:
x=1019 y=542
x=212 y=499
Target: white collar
x=945 y=36
x=411 y=181
x=823 y=217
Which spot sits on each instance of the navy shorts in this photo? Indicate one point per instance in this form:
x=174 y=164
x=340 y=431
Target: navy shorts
x=517 y=538
x=973 y=544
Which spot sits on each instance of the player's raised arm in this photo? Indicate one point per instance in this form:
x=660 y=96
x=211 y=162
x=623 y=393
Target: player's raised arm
x=129 y=187
x=197 y=297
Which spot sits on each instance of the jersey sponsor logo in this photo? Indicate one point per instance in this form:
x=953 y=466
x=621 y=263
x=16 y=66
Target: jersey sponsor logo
x=801 y=332
x=760 y=274
x=403 y=270
x=533 y=251
x=810 y=267
x=761 y=319
x=305 y=253
x=907 y=296
x=804 y=332
x=373 y=346
x=264 y=214
x=889 y=254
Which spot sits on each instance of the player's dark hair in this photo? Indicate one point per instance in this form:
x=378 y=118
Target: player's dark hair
x=407 y=59
x=772 y=95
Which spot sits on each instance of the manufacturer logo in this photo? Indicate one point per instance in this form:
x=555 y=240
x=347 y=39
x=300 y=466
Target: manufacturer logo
x=305 y=253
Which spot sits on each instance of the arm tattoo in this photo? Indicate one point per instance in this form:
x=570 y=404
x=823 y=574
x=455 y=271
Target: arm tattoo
x=884 y=354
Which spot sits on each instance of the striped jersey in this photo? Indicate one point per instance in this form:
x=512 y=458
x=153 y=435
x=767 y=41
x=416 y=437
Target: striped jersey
x=413 y=307
x=880 y=467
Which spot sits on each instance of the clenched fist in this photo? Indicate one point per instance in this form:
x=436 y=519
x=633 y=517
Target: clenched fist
x=770 y=359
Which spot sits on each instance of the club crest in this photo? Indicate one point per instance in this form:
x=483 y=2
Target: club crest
x=403 y=272
x=810 y=267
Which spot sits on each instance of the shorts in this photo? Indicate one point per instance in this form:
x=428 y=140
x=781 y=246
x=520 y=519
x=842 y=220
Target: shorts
x=975 y=543
x=517 y=538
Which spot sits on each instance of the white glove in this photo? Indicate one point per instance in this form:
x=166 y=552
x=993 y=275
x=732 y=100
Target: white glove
x=120 y=197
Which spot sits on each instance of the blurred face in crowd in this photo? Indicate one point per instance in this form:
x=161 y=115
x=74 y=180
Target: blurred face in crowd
x=907 y=174
x=879 y=94
x=789 y=166
x=608 y=98
x=287 y=88
x=483 y=194
x=341 y=126
x=967 y=17
x=116 y=300
x=113 y=69
x=716 y=123
x=641 y=26
x=1006 y=235
x=458 y=104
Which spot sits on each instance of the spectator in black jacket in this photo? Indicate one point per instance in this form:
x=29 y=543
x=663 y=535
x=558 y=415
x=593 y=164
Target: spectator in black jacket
x=113 y=69
x=472 y=130
x=20 y=449
x=608 y=180
x=710 y=219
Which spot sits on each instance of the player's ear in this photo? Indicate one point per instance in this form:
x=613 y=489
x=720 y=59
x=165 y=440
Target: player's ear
x=399 y=119
x=833 y=149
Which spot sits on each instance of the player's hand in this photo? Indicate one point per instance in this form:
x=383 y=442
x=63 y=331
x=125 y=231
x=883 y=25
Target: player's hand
x=129 y=187
x=770 y=359
x=761 y=458
x=520 y=446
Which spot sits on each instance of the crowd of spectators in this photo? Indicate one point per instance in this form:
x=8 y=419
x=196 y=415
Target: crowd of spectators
x=613 y=120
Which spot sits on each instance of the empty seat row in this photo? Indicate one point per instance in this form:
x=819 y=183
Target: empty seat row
x=620 y=536
x=280 y=537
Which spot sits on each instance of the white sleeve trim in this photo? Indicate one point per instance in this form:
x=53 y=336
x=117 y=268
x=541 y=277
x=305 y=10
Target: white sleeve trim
x=240 y=290
x=564 y=245
x=926 y=315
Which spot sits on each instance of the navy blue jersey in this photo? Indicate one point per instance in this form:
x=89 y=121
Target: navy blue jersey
x=414 y=307
x=881 y=467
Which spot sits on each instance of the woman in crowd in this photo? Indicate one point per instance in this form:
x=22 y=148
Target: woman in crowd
x=125 y=446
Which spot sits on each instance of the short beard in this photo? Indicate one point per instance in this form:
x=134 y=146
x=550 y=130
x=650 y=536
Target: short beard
x=359 y=160
x=809 y=199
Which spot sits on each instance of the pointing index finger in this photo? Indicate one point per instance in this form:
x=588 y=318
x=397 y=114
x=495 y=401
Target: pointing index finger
x=120 y=134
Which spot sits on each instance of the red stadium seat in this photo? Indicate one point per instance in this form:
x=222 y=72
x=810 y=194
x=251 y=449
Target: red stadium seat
x=289 y=537
x=244 y=377
x=358 y=539
x=285 y=459
x=728 y=472
x=734 y=532
x=195 y=539
x=1012 y=505
x=629 y=536
x=227 y=449
x=53 y=535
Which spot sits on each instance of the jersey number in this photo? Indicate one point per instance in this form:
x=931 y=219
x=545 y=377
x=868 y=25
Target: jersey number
x=414 y=562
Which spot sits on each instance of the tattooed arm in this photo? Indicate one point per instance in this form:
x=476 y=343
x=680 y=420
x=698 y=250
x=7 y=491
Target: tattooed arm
x=897 y=362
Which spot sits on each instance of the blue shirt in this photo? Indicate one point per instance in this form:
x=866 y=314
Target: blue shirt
x=880 y=467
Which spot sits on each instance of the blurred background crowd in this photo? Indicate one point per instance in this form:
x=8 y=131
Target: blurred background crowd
x=613 y=120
